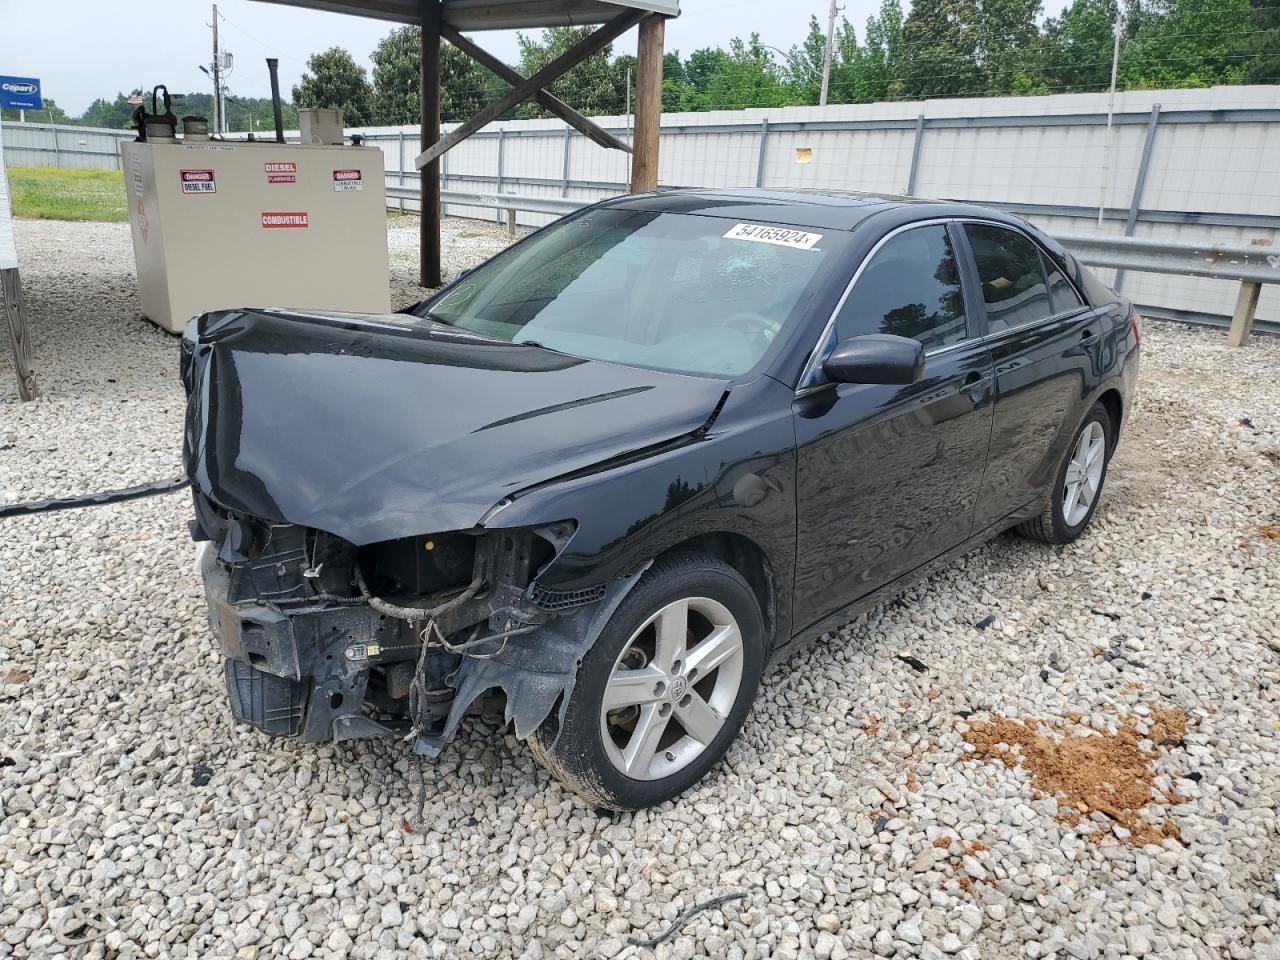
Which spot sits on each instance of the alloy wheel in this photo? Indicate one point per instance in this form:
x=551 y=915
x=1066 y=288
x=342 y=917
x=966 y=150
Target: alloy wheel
x=672 y=688
x=1084 y=473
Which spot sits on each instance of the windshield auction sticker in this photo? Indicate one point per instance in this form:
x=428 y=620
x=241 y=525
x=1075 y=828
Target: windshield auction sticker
x=780 y=236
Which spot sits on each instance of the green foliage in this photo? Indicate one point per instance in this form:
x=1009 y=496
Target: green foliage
x=336 y=80
x=1187 y=43
x=596 y=86
x=49 y=113
x=48 y=194
x=943 y=48
x=1078 y=44
x=397 y=80
x=1262 y=44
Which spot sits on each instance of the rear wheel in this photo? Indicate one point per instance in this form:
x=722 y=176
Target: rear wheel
x=1078 y=486
x=665 y=689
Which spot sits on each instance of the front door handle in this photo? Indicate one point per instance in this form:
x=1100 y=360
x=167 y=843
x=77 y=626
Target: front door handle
x=977 y=386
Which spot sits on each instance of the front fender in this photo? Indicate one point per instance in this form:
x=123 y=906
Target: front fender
x=738 y=479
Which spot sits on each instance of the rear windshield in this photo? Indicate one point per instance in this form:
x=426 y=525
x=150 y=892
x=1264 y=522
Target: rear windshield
x=692 y=294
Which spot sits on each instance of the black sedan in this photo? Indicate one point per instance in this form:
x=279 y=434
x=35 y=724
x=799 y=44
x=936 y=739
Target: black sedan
x=600 y=481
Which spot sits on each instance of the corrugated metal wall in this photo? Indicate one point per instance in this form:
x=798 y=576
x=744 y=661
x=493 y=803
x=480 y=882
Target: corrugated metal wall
x=1213 y=170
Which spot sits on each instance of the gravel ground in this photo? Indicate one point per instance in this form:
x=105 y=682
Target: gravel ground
x=862 y=812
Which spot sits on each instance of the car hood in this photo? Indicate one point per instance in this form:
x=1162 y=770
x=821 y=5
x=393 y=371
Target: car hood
x=374 y=427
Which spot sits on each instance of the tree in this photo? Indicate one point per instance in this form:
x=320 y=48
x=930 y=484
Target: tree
x=49 y=113
x=746 y=77
x=1261 y=45
x=1187 y=43
x=113 y=114
x=1078 y=45
x=593 y=86
x=941 y=56
x=465 y=86
x=336 y=80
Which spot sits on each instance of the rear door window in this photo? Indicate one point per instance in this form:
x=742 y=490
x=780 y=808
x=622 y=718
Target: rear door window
x=1012 y=277
x=1061 y=293
x=910 y=287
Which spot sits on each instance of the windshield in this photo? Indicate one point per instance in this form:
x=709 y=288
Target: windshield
x=692 y=294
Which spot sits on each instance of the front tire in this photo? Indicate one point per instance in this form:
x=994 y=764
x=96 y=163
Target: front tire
x=663 y=692
x=1078 y=483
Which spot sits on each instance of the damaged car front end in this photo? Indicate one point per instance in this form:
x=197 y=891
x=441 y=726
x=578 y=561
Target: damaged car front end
x=330 y=628
x=434 y=622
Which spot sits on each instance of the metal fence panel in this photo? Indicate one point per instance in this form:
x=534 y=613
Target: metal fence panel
x=1209 y=175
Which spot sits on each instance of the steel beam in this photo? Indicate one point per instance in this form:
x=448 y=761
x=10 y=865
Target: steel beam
x=915 y=156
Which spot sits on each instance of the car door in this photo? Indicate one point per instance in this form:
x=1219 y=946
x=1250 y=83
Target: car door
x=887 y=476
x=1042 y=337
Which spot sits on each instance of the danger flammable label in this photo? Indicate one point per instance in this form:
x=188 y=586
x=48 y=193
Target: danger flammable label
x=344 y=180
x=285 y=220
x=281 y=172
x=198 y=181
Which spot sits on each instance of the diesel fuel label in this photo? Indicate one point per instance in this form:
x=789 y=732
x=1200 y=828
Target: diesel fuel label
x=198 y=181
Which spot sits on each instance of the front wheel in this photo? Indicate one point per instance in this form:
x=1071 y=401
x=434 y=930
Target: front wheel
x=1078 y=485
x=664 y=690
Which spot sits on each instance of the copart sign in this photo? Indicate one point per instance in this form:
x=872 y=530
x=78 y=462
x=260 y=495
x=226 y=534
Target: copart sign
x=20 y=93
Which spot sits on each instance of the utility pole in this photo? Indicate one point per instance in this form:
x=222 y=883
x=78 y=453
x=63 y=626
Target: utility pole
x=1111 y=110
x=218 y=112
x=826 y=53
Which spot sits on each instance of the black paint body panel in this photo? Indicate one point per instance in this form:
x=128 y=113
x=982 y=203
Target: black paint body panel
x=377 y=428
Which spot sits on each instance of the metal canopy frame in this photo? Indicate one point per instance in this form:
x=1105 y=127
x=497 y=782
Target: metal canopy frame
x=447 y=19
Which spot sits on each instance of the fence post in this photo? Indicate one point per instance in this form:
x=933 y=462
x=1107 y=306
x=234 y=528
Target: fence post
x=502 y=140
x=1140 y=183
x=1246 y=311
x=564 y=170
x=444 y=183
x=57 y=149
x=400 y=167
x=915 y=157
x=511 y=221
x=763 y=158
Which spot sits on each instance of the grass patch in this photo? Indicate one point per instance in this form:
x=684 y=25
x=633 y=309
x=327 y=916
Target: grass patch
x=47 y=194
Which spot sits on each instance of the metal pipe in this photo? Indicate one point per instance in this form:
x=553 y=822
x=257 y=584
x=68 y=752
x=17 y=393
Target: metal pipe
x=273 y=68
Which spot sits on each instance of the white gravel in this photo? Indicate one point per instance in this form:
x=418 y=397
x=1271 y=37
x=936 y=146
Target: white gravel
x=126 y=794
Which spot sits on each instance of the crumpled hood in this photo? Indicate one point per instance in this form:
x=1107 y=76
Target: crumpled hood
x=378 y=427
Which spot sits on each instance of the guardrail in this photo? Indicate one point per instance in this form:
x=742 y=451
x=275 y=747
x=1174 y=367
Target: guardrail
x=1252 y=266
x=510 y=202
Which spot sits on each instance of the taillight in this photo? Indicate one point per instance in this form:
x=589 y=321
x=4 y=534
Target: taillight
x=1135 y=319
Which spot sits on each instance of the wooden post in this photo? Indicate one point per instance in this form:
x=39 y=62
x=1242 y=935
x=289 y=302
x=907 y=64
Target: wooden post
x=1246 y=310
x=429 y=221
x=19 y=342
x=644 y=147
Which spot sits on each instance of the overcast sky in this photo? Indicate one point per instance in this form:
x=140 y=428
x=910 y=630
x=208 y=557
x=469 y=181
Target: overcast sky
x=84 y=49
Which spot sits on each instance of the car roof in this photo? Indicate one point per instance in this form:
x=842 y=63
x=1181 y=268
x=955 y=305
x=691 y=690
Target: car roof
x=824 y=209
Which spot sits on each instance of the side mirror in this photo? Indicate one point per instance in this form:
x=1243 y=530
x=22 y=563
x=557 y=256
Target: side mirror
x=876 y=358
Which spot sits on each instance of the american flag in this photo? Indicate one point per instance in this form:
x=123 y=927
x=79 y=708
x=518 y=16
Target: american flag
x=135 y=98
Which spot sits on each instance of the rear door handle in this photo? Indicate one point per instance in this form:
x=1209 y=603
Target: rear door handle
x=1088 y=337
x=977 y=386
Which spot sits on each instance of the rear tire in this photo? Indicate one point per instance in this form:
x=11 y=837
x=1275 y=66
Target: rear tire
x=1078 y=483
x=680 y=661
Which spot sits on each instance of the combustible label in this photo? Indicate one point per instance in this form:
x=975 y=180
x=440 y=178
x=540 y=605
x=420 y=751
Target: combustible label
x=281 y=172
x=347 y=180
x=198 y=181
x=285 y=220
